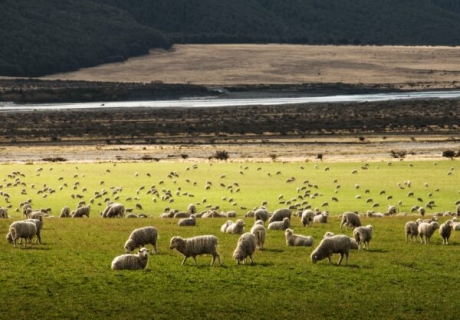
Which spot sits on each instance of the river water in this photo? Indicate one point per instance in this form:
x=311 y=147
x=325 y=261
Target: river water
x=222 y=102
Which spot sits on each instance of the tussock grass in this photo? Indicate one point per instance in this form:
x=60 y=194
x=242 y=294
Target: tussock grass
x=69 y=275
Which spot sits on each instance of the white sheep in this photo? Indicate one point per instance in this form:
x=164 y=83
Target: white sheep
x=65 y=212
x=114 y=210
x=353 y=243
x=411 y=228
x=392 y=210
x=236 y=227
x=350 y=220
x=4 y=213
x=187 y=222
x=191 y=208
x=80 y=212
x=297 y=239
x=245 y=248
x=192 y=247
x=224 y=227
x=307 y=217
x=340 y=244
x=140 y=237
x=445 y=230
x=426 y=230
x=363 y=235
x=280 y=214
x=39 y=225
x=258 y=230
x=321 y=218
x=137 y=261
x=261 y=214
x=280 y=225
x=21 y=229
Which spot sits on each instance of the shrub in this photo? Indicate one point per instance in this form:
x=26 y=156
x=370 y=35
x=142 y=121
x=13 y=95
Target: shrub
x=221 y=155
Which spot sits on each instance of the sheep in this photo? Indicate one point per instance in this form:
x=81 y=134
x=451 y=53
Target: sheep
x=191 y=208
x=65 y=212
x=321 y=218
x=36 y=215
x=39 y=225
x=114 y=210
x=191 y=247
x=363 y=235
x=426 y=230
x=137 y=261
x=280 y=214
x=80 y=212
x=224 y=227
x=392 y=210
x=4 y=213
x=411 y=228
x=261 y=214
x=350 y=219
x=26 y=209
x=21 y=229
x=258 y=230
x=445 y=230
x=353 y=243
x=336 y=244
x=140 y=237
x=307 y=217
x=236 y=227
x=297 y=239
x=280 y=225
x=245 y=248
x=187 y=222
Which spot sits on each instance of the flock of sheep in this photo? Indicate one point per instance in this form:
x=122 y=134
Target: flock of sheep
x=247 y=243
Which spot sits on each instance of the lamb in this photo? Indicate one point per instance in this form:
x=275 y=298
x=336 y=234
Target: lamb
x=137 y=261
x=363 y=235
x=280 y=225
x=330 y=245
x=411 y=228
x=445 y=230
x=236 y=227
x=297 y=239
x=321 y=218
x=80 y=212
x=225 y=226
x=191 y=247
x=245 y=248
x=307 y=217
x=140 y=237
x=21 y=229
x=187 y=222
x=280 y=214
x=258 y=230
x=261 y=214
x=426 y=230
x=350 y=219
x=65 y=212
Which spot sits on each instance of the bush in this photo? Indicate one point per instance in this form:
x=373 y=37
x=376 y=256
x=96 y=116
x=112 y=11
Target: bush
x=221 y=155
x=450 y=154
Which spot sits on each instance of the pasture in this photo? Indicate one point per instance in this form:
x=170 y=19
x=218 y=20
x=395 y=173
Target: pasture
x=69 y=276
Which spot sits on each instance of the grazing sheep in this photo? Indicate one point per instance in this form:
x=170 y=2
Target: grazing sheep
x=353 y=243
x=81 y=212
x=36 y=215
x=258 y=230
x=21 y=229
x=187 y=222
x=131 y=216
x=65 y=212
x=280 y=214
x=307 y=217
x=411 y=228
x=261 y=214
x=321 y=218
x=39 y=225
x=137 y=261
x=350 y=220
x=114 y=210
x=426 y=230
x=336 y=244
x=236 y=227
x=4 y=213
x=140 y=237
x=445 y=230
x=280 y=225
x=392 y=210
x=191 y=247
x=297 y=239
x=363 y=235
x=225 y=226
x=245 y=248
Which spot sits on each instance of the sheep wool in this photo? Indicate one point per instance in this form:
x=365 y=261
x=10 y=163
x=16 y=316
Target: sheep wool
x=261 y=214
x=258 y=230
x=297 y=239
x=279 y=225
x=363 y=235
x=236 y=227
x=411 y=229
x=194 y=246
x=225 y=226
x=81 y=212
x=280 y=214
x=137 y=261
x=307 y=217
x=329 y=245
x=445 y=230
x=39 y=225
x=426 y=230
x=187 y=222
x=245 y=248
x=141 y=237
x=21 y=229
x=350 y=220
x=321 y=218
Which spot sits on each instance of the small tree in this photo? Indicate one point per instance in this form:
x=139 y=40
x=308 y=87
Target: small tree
x=221 y=155
x=449 y=154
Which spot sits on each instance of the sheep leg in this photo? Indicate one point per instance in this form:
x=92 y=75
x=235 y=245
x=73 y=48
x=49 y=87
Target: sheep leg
x=183 y=261
x=250 y=258
x=330 y=258
x=194 y=259
x=154 y=249
x=340 y=259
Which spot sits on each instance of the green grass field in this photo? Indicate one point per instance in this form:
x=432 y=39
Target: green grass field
x=69 y=276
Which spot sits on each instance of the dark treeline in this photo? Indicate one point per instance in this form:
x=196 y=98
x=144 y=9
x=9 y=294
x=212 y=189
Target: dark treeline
x=49 y=36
